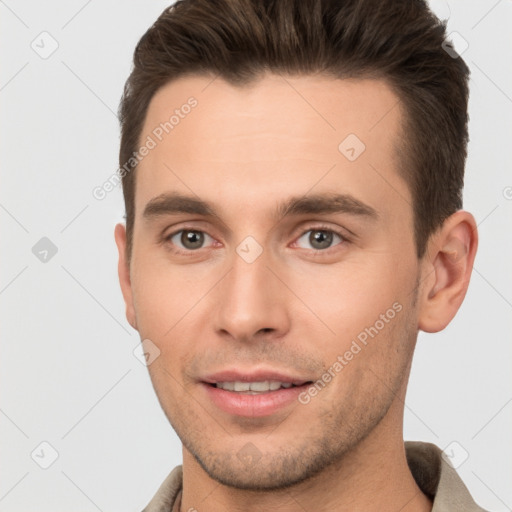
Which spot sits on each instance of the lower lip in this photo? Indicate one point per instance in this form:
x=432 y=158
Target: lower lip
x=253 y=406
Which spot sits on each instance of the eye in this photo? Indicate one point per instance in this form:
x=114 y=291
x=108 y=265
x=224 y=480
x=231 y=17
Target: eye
x=189 y=239
x=321 y=238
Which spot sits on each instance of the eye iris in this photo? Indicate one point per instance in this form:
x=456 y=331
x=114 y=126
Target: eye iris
x=320 y=239
x=192 y=239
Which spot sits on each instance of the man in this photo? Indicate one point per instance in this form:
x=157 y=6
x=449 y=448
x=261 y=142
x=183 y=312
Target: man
x=292 y=174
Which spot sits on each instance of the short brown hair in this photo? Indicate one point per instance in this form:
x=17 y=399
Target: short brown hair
x=400 y=41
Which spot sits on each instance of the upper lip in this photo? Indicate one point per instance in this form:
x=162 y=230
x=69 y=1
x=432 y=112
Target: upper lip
x=252 y=376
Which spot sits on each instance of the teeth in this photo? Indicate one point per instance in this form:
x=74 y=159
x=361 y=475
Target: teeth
x=242 y=386
x=274 y=385
x=258 y=387
x=261 y=386
x=229 y=386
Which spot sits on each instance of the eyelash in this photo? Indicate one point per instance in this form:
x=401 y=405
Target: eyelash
x=167 y=239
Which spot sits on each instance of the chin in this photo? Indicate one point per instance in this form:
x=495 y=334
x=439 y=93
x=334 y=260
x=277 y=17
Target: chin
x=250 y=470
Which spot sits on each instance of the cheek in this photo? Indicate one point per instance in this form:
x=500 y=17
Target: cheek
x=164 y=294
x=342 y=301
x=169 y=301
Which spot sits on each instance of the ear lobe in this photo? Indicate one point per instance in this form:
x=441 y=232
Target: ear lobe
x=123 y=269
x=447 y=270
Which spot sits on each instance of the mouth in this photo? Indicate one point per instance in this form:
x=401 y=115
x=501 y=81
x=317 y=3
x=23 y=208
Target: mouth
x=255 y=388
x=253 y=395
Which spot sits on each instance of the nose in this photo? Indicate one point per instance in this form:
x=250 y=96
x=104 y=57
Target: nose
x=251 y=302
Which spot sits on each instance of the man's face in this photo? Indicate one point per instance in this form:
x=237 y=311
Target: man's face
x=250 y=294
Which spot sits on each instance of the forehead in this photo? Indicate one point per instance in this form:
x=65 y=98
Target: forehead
x=329 y=107
x=279 y=133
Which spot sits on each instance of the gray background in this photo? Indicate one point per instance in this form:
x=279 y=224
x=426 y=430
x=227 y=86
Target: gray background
x=68 y=373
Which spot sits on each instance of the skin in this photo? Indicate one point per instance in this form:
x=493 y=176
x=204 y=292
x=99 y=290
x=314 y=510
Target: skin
x=297 y=306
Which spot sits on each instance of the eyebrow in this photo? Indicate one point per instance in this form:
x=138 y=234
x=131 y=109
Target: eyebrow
x=176 y=203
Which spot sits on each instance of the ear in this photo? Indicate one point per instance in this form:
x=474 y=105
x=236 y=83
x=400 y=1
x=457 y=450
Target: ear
x=446 y=271
x=123 y=269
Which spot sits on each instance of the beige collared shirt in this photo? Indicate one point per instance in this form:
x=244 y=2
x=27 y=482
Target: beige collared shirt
x=433 y=474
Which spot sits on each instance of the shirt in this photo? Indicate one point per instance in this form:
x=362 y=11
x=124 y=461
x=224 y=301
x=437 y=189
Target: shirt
x=434 y=475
